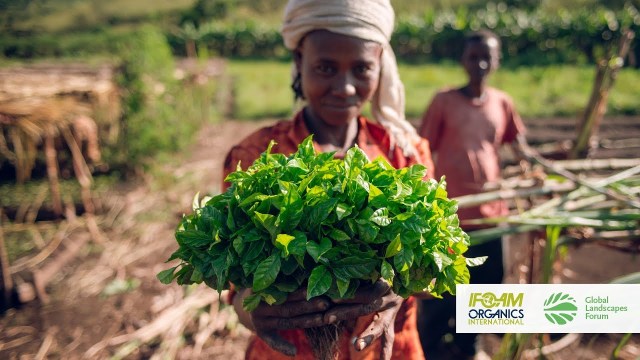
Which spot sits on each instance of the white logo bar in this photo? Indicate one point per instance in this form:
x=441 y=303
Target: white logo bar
x=548 y=308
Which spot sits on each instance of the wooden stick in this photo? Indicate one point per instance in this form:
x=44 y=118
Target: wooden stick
x=529 y=152
x=52 y=174
x=46 y=344
x=41 y=277
x=6 y=282
x=45 y=253
x=605 y=78
x=83 y=174
x=477 y=199
x=596 y=164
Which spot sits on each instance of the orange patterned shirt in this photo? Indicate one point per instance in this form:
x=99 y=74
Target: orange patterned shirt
x=374 y=140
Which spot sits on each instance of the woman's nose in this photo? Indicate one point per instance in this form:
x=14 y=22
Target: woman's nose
x=345 y=85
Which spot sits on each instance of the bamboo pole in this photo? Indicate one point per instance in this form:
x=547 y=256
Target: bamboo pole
x=477 y=199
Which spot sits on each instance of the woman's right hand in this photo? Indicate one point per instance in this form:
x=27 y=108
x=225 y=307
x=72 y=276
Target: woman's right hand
x=295 y=313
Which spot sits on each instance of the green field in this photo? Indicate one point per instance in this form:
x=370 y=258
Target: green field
x=261 y=88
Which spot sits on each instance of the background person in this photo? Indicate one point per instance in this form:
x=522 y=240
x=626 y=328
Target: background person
x=466 y=127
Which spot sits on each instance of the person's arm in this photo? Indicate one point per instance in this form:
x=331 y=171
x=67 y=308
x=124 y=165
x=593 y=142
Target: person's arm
x=432 y=123
x=515 y=136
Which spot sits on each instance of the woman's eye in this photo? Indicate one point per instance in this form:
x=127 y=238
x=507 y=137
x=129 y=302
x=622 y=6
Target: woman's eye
x=363 y=70
x=324 y=69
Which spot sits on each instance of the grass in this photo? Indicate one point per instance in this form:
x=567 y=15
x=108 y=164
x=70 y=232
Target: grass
x=261 y=88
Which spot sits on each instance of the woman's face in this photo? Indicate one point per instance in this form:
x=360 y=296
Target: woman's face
x=339 y=74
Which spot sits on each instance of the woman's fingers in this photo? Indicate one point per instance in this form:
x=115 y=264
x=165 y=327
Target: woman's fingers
x=351 y=311
x=367 y=294
x=381 y=326
x=277 y=343
x=281 y=323
x=388 y=336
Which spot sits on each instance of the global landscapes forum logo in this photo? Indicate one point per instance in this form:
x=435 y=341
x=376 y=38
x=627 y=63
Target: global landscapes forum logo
x=560 y=308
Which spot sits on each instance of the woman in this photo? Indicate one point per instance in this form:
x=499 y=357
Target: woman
x=342 y=61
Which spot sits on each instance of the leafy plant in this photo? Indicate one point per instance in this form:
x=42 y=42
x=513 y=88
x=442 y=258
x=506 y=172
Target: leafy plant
x=328 y=224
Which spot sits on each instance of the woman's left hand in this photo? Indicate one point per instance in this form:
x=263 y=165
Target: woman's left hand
x=379 y=299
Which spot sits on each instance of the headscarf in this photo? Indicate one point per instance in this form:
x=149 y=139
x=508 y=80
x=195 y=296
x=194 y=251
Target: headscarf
x=371 y=20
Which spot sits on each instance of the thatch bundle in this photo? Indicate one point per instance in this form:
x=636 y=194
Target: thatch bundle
x=47 y=109
x=45 y=101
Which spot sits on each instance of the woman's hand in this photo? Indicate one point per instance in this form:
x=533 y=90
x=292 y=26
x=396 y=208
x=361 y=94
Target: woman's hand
x=379 y=299
x=295 y=313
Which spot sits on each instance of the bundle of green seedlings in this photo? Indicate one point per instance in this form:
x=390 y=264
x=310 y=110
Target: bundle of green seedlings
x=328 y=225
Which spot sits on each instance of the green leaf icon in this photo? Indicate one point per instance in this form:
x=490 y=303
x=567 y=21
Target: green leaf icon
x=560 y=308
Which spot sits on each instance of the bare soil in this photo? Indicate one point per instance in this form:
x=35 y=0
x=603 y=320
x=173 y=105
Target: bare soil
x=109 y=304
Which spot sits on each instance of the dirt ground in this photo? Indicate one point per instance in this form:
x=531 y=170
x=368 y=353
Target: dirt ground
x=109 y=304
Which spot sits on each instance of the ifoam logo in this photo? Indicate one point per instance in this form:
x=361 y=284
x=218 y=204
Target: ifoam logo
x=490 y=300
x=560 y=308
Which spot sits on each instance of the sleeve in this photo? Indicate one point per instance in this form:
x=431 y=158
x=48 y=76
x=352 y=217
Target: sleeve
x=515 y=125
x=432 y=123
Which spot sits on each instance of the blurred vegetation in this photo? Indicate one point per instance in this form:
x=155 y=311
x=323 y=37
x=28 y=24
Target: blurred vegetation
x=533 y=32
x=162 y=113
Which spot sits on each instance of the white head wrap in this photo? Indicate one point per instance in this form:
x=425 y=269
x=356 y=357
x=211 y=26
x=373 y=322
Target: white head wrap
x=370 y=20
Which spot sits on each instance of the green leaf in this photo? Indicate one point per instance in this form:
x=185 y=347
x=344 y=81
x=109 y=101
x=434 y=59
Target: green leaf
x=193 y=238
x=317 y=250
x=306 y=151
x=255 y=248
x=367 y=231
x=386 y=271
x=319 y=281
x=268 y=221
x=273 y=296
x=266 y=272
x=291 y=207
x=381 y=217
x=282 y=243
x=343 y=210
x=353 y=268
x=394 y=247
x=339 y=235
x=166 y=276
x=251 y=302
x=299 y=245
x=403 y=260
x=343 y=287
x=476 y=261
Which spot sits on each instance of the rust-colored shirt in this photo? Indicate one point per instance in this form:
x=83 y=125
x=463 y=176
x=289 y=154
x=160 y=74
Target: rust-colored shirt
x=374 y=140
x=465 y=138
